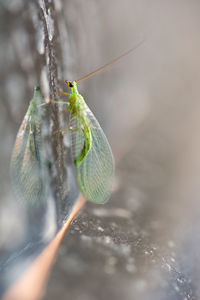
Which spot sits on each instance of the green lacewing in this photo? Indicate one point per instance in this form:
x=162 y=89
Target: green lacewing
x=28 y=168
x=91 y=152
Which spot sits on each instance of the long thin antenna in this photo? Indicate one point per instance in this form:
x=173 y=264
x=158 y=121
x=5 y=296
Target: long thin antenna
x=104 y=67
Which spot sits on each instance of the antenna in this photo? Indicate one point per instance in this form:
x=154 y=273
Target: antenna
x=104 y=67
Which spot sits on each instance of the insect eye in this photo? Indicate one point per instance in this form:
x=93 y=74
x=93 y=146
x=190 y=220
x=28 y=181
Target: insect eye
x=70 y=84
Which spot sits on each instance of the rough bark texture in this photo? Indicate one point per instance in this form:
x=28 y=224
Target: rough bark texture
x=144 y=244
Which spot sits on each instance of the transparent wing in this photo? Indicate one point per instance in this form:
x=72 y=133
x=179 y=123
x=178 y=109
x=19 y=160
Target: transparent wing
x=28 y=169
x=95 y=174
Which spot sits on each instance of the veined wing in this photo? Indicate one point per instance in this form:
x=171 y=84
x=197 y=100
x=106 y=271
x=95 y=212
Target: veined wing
x=95 y=173
x=28 y=169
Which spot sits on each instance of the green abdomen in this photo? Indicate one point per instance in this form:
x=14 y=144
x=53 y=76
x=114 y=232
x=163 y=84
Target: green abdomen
x=86 y=146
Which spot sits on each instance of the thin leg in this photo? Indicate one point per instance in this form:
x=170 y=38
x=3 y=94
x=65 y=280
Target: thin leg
x=65 y=130
x=60 y=102
x=43 y=104
x=62 y=93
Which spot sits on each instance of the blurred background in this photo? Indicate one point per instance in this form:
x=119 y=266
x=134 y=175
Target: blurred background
x=144 y=243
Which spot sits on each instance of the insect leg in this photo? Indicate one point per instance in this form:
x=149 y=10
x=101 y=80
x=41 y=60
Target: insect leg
x=62 y=93
x=60 y=102
x=65 y=130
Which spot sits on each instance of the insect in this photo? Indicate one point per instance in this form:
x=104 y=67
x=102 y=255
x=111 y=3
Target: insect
x=90 y=149
x=28 y=168
x=91 y=152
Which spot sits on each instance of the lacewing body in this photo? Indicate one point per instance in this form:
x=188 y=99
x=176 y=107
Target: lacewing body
x=91 y=152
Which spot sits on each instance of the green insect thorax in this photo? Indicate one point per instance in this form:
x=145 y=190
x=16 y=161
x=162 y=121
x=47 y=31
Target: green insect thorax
x=73 y=86
x=35 y=111
x=32 y=107
x=76 y=101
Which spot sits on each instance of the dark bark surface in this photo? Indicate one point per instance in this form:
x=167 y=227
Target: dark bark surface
x=144 y=243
